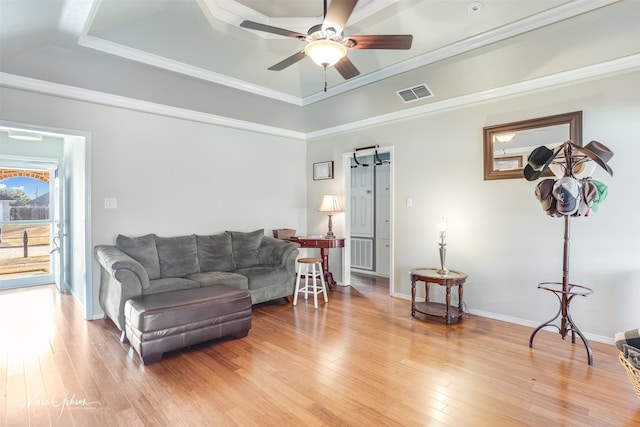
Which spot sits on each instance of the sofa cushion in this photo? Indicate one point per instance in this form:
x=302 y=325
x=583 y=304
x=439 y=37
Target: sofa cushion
x=169 y=284
x=245 y=248
x=213 y=278
x=178 y=255
x=262 y=276
x=215 y=252
x=142 y=249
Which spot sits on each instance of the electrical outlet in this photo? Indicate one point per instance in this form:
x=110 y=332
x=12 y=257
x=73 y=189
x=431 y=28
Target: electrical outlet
x=110 y=203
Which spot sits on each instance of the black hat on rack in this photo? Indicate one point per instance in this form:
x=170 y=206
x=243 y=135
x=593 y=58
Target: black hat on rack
x=538 y=161
x=599 y=153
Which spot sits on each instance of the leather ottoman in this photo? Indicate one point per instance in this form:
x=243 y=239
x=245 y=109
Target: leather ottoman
x=157 y=323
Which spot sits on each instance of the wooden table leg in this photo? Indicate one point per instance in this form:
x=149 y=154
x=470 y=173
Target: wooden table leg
x=413 y=296
x=447 y=314
x=328 y=277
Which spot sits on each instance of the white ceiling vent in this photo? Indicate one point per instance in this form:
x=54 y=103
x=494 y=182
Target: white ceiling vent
x=414 y=93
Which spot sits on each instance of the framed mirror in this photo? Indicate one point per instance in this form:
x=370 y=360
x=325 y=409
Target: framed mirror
x=507 y=146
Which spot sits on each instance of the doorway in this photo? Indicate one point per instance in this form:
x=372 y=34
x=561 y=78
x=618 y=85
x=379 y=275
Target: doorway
x=368 y=213
x=66 y=155
x=29 y=245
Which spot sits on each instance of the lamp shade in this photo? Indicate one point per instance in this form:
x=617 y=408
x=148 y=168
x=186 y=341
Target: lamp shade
x=325 y=52
x=330 y=203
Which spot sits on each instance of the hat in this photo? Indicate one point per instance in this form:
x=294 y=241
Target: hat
x=599 y=153
x=538 y=161
x=589 y=194
x=603 y=190
x=566 y=190
x=584 y=169
x=544 y=194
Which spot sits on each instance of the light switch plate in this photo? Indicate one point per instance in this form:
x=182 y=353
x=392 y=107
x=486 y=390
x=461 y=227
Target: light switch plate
x=110 y=203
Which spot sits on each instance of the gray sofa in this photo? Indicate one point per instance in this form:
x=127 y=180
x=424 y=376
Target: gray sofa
x=151 y=264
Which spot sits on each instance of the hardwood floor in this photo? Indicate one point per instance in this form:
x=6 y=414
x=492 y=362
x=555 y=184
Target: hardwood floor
x=359 y=360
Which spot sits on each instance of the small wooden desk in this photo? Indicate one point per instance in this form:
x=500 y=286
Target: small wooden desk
x=430 y=275
x=324 y=245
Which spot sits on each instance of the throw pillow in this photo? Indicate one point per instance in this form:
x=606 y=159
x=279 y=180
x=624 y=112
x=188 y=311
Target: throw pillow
x=633 y=356
x=245 y=247
x=142 y=249
x=178 y=256
x=215 y=252
x=631 y=337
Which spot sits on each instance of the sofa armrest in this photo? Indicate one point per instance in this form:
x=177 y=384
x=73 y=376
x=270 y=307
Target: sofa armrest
x=121 y=278
x=277 y=252
x=113 y=259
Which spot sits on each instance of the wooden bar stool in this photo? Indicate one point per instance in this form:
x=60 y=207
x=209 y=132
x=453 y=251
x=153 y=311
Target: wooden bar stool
x=315 y=274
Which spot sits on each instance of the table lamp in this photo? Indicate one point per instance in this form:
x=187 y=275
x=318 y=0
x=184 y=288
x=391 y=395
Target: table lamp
x=442 y=226
x=330 y=204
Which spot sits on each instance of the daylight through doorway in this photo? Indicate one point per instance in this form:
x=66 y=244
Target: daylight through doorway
x=26 y=226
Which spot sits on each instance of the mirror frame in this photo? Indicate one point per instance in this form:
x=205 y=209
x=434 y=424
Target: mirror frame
x=573 y=119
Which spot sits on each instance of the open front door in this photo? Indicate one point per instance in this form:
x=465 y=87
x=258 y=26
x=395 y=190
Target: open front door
x=58 y=236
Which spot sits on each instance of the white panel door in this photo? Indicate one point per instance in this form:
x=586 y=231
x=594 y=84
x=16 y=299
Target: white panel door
x=362 y=200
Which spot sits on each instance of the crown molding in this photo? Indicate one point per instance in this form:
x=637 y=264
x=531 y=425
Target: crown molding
x=547 y=17
x=624 y=64
x=158 y=61
x=234 y=10
x=92 y=42
x=87 y=95
x=602 y=69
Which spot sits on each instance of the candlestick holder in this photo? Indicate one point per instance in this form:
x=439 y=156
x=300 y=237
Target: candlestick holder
x=443 y=254
x=442 y=249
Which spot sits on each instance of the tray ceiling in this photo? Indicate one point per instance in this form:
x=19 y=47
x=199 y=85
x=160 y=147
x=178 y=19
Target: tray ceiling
x=203 y=37
x=193 y=55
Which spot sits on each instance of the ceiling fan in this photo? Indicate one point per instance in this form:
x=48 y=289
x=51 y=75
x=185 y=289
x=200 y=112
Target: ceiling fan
x=326 y=43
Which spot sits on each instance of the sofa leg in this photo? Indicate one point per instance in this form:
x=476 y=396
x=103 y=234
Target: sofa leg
x=241 y=334
x=150 y=359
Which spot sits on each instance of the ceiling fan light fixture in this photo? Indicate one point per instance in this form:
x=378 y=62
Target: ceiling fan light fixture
x=325 y=52
x=505 y=137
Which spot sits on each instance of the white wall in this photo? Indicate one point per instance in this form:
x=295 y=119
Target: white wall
x=172 y=176
x=498 y=232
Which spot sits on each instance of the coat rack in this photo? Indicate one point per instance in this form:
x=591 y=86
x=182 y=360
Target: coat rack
x=565 y=291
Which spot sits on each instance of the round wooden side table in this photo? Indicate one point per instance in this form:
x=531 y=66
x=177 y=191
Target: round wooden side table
x=450 y=279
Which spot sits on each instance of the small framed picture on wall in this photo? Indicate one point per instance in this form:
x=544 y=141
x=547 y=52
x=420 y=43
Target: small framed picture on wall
x=323 y=170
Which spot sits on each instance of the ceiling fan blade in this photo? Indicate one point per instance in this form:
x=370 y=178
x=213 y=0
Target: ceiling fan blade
x=289 y=61
x=338 y=14
x=400 y=41
x=346 y=68
x=274 y=30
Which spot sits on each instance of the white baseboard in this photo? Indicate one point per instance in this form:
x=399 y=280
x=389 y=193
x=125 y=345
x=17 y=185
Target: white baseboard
x=517 y=321
x=368 y=272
